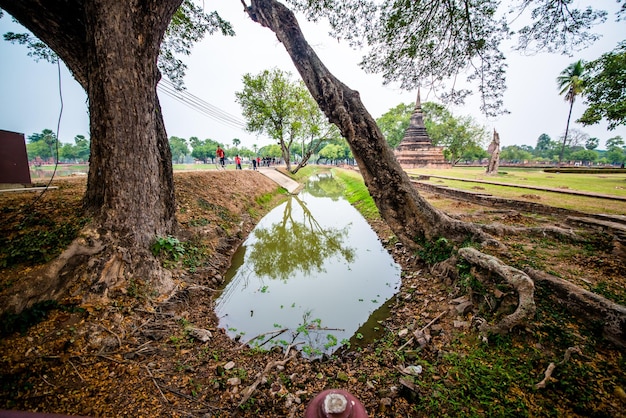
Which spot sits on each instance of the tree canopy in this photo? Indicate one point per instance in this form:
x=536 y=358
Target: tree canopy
x=418 y=43
x=188 y=26
x=605 y=89
x=274 y=104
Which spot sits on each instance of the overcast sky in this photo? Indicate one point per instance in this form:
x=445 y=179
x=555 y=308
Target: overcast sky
x=31 y=101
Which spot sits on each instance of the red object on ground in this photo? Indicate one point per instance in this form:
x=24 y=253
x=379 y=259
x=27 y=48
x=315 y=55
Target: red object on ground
x=335 y=403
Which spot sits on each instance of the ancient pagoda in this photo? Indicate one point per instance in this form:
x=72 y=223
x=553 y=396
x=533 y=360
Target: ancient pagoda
x=416 y=150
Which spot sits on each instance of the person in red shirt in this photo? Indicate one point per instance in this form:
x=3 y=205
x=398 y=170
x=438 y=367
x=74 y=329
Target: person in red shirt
x=220 y=154
x=238 y=162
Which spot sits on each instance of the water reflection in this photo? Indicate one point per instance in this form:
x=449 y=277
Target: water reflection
x=310 y=274
x=297 y=242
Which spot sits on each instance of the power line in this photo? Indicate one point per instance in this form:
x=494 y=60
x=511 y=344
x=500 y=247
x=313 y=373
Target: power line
x=199 y=105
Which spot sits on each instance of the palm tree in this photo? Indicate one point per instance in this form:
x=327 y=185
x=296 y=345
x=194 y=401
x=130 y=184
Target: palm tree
x=571 y=82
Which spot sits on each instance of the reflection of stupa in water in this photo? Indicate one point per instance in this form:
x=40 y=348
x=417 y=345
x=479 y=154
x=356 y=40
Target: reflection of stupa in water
x=416 y=149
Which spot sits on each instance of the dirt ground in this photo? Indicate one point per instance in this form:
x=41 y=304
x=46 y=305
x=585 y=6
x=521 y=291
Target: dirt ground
x=142 y=357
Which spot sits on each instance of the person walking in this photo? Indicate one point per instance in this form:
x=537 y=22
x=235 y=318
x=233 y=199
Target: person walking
x=237 y=162
x=220 y=154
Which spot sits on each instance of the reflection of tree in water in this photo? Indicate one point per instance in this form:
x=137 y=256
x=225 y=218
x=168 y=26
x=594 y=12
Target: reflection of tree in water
x=324 y=185
x=291 y=245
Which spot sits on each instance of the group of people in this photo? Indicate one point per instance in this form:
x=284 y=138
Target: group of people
x=256 y=162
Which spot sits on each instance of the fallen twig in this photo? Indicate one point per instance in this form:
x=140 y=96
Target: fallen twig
x=76 y=370
x=276 y=334
x=423 y=329
x=119 y=341
x=156 y=384
x=290 y=346
x=550 y=369
x=248 y=391
x=437 y=318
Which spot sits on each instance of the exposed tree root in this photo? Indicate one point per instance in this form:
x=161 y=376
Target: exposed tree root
x=91 y=269
x=544 y=231
x=516 y=278
x=48 y=282
x=548 y=373
x=595 y=308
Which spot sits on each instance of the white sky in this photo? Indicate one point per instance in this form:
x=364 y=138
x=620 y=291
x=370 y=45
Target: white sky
x=30 y=101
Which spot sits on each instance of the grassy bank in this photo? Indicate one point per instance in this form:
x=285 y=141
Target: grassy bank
x=608 y=184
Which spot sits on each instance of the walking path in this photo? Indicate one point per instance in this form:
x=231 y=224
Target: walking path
x=282 y=180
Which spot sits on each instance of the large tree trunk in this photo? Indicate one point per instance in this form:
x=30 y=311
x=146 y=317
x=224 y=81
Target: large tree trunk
x=407 y=213
x=130 y=184
x=111 y=48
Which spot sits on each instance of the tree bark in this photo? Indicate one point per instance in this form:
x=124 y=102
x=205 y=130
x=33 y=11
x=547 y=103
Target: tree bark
x=519 y=280
x=408 y=214
x=608 y=315
x=569 y=116
x=130 y=188
x=111 y=48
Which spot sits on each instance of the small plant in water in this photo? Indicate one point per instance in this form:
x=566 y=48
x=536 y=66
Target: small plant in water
x=332 y=341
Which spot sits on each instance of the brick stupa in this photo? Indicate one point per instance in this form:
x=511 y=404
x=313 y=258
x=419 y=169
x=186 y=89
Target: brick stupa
x=416 y=150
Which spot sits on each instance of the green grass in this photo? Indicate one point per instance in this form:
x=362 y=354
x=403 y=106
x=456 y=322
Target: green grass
x=357 y=194
x=610 y=184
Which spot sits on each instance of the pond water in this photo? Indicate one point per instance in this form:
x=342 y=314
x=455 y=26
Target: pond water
x=310 y=274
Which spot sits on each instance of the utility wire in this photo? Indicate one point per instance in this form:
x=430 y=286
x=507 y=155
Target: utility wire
x=199 y=105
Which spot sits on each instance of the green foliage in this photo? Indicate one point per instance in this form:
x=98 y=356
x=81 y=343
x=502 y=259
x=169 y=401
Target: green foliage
x=433 y=252
x=43 y=145
x=357 y=194
x=431 y=44
x=36 y=49
x=189 y=25
x=515 y=154
x=604 y=289
x=571 y=83
x=275 y=105
x=179 y=148
x=264 y=199
x=460 y=135
x=394 y=123
x=194 y=256
x=170 y=246
x=605 y=89
x=203 y=150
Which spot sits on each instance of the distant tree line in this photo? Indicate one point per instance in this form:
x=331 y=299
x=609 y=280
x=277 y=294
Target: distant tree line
x=46 y=147
x=579 y=149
